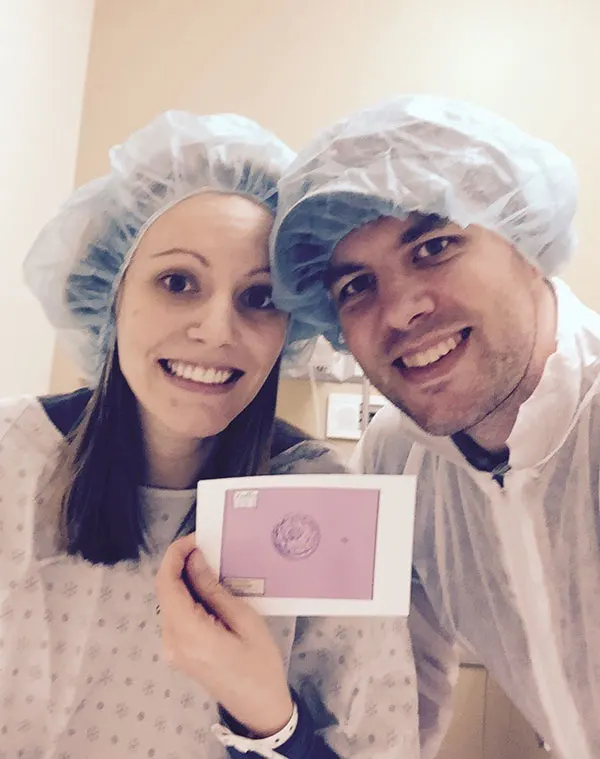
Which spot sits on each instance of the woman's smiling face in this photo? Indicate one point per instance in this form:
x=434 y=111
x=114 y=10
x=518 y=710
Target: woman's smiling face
x=197 y=332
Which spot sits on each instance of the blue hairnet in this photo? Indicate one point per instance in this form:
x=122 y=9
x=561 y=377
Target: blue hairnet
x=423 y=154
x=78 y=259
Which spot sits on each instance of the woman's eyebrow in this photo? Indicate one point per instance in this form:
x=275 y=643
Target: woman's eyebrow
x=204 y=261
x=260 y=270
x=187 y=251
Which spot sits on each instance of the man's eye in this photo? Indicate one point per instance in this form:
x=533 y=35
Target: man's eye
x=356 y=286
x=434 y=247
x=179 y=283
x=259 y=297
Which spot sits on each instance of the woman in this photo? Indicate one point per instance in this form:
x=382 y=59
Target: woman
x=158 y=274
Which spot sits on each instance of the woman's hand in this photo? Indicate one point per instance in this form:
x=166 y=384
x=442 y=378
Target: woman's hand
x=230 y=653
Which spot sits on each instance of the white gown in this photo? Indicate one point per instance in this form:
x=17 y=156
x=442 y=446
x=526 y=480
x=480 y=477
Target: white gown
x=81 y=666
x=513 y=573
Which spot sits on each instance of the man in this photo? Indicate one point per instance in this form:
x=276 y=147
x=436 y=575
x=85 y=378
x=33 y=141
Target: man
x=424 y=235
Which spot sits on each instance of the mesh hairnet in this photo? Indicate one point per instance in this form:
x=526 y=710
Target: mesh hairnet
x=76 y=263
x=423 y=154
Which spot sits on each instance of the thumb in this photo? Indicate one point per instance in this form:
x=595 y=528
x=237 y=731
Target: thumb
x=205 y=584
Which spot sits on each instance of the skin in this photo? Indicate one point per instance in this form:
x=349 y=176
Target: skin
x=198 y=291
x=403 y=287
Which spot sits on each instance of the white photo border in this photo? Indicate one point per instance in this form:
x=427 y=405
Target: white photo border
x=394 y=542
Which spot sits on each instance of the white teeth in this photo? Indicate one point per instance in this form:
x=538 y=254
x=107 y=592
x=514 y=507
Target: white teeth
x=199 y=373
x=204 y=375
x=431 y=355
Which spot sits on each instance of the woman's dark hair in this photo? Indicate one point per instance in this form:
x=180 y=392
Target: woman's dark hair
x=103 y=464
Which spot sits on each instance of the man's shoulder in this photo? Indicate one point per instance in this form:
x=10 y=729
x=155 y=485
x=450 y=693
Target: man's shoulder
x=385 y=446
x=589 y=415
x=386 y=425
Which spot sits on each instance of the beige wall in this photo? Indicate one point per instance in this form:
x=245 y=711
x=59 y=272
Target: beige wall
x=485 y=724
x=43 y=55
x=296 y=65
x=305 y=405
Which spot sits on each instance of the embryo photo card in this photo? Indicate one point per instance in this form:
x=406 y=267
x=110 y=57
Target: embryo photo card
x=312 y=545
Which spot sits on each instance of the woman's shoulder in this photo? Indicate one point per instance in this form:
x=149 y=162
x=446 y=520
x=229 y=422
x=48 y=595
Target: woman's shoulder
x=32 y=431
x=295 y=452
x=41 y=422
x=64 y=411
x=12 y=408
x=20 y=417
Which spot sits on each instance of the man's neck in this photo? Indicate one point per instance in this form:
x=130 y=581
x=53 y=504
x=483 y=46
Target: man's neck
x=493 y=432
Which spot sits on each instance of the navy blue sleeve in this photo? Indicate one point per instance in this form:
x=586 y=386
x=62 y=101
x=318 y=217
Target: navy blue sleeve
x=304 y=743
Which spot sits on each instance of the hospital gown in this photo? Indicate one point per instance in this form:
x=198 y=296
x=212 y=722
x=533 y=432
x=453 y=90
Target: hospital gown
x=82 y=672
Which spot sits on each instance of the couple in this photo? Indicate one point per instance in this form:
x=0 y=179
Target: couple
x=422 y=235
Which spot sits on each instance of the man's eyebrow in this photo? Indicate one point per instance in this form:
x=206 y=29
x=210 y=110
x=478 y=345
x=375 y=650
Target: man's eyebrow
x=422 y=226
x=334 y=272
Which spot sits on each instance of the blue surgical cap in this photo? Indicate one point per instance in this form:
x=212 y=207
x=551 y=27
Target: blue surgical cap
x=78 y=259
x=423 y=154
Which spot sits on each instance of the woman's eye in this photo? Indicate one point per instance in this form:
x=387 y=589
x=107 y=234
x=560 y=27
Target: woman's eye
x=180 y=283
x=356 y=286
x=434 y=247
x=259 y=297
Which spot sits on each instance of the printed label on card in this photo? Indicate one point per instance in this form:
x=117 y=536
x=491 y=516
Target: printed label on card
x=245 y=499
x=245 y=586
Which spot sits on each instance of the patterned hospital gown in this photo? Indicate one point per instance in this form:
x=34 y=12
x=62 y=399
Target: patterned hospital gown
x=82 y=673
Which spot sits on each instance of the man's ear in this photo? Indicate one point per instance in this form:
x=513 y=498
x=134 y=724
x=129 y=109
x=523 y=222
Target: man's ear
x=532 y=269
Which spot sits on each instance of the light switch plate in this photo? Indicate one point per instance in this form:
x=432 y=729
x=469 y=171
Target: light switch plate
x=344 y=414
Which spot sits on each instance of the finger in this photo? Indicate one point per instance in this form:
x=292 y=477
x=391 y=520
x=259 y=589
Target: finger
x=176 y=554
x=189 y=633
x=233 y=611
x=173 y=596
